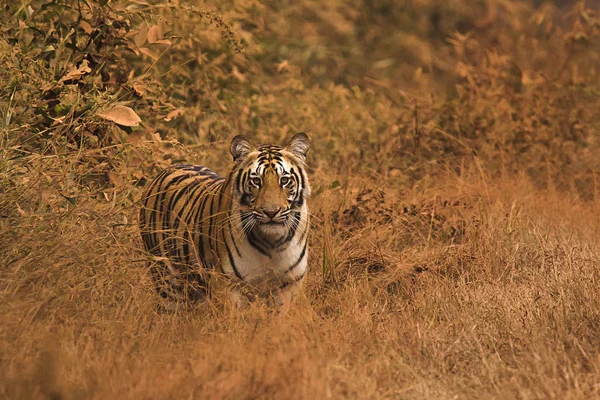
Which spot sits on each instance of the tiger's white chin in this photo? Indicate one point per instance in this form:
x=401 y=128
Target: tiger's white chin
x=272 y=231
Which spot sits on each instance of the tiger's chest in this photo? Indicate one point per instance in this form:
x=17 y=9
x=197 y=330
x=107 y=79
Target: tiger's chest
x=282 y=267
x=266 y=272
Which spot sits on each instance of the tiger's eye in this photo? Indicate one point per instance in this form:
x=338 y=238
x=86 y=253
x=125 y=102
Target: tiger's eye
x=255 y=181
x=284 y=180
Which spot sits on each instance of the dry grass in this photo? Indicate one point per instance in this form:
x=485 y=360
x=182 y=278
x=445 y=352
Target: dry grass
x=510 y=311
x=456 y=238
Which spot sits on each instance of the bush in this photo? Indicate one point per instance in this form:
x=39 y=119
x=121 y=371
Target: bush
x=453 y=165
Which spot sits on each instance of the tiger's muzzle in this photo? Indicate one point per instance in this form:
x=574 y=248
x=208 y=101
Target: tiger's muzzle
x=272 y=215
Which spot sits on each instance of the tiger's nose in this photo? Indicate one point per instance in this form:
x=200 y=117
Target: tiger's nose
x=271 y=212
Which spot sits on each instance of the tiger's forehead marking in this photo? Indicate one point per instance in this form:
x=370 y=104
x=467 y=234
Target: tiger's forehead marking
x=270 y=158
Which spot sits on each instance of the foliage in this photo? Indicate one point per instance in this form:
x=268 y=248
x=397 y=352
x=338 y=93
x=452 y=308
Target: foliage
x=454 y=171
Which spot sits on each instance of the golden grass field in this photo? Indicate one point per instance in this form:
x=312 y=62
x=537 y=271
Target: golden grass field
x=455 y=248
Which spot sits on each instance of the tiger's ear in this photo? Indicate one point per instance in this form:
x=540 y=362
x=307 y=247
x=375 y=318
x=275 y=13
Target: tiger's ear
x=299 y=145
x=240 y=147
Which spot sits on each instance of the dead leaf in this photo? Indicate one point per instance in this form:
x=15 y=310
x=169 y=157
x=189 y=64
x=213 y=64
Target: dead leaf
x=133 y=47
x=163 y=41
x=121 y=115
x=149 y=53
x=238 y=75
x=174 y=114
x=115 y=179
x=156 y=137
x=76 y=72
x=155 y=33
x=86 y=27
x=139 y=88
x=141 y=37
x=283 y=66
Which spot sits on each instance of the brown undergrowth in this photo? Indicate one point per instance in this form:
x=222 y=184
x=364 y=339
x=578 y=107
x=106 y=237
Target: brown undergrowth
x=506 y=308
x=455 y=243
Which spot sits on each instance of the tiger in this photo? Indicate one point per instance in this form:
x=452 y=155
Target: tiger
x=251 y=226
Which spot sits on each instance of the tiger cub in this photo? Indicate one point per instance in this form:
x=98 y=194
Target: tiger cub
x=251 y=226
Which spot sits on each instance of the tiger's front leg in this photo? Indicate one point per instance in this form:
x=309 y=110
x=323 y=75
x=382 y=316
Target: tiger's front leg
x=224 y=290
x=287 y=294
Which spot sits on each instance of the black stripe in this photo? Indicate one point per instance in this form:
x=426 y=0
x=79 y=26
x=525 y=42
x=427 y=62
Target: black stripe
x=301 y=173
x=220 y=205
x=160 y=199
x=154 y=208
x=185 y=249
x=243 y=182
x=196 y=195
x=302 y=254
x=299 y=195
x=305 y=233
x=231 y=261
x=183 y=252
x=200 y=224
x=296 y=216
x=295 y=280
x=177 y=196
x=238 y=180
x=168 y=225
x=143 y=228
x=261 y=240
x=173 y=250
x=201 y=218
x=211 y=221
x=190 y=216
x=252 y=239
x=165 y=190
x=232 y=236
x=180 y=166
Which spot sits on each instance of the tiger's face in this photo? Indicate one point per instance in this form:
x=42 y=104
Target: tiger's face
x=269 y=184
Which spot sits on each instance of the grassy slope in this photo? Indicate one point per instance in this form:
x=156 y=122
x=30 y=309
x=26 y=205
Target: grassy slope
x=455 y=245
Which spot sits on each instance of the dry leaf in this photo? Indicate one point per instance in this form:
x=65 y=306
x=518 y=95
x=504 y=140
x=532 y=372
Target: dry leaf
x=156 y=137
x=86 y=27
x=121 y=115
x=133 y=47
x=163 y=41
x=141 y=37
x=155 y=33
x=174 y=114
x=283 y=66
x=76 y=72
x=139 y=88
x=238 y=75
x=149 y=53
x=115 y=179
